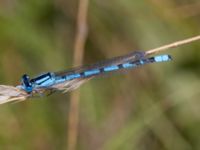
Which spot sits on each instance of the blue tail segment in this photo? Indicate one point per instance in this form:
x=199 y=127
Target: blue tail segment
x=162 y=58
x=49 y=79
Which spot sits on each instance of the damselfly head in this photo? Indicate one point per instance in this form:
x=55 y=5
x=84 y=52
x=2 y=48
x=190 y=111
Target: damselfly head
x=26 y=84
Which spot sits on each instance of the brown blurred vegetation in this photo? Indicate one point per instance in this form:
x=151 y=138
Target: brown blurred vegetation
x=155 y=107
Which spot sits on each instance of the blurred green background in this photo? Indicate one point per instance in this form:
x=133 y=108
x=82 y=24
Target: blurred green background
x=155 y=107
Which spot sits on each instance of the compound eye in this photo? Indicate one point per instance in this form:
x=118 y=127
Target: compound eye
x=26 y=83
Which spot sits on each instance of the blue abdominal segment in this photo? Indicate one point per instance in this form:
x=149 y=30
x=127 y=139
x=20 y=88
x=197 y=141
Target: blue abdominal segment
x=92 y=72
x=128 y=65
x=162 y=58
x=110 y=68
x=73 y=76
